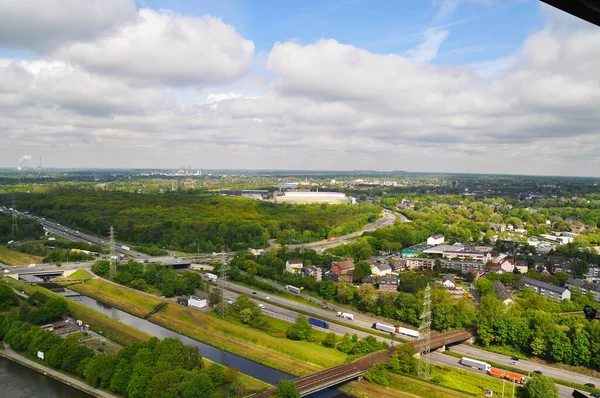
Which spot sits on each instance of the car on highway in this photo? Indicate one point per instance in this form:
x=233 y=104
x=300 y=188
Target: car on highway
x=262 y=306
x=471 y=352
x=514 y=358
x=590 y=385
x=253 y=292
x=267 y=298
x=595 y=395
x=537 y=372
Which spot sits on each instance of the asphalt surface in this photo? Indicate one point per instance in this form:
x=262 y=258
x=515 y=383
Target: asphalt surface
x=525 y=365
x=286 y=315
x=438 y=358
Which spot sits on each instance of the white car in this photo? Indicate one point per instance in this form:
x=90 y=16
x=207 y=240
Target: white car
x=261 y=306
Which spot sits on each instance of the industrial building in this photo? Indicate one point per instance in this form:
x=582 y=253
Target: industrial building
x=311 y=197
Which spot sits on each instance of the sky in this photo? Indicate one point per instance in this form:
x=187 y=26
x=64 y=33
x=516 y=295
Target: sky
x=467 y=86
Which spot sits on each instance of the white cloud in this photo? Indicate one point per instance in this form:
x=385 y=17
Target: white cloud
x=331 y=106
x=166 y=48
x=43 y=25
x=428 y=49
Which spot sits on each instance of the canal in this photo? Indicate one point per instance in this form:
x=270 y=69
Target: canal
x=246 y=366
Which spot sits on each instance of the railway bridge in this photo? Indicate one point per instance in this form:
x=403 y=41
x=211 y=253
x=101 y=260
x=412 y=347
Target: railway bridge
x=355 y=370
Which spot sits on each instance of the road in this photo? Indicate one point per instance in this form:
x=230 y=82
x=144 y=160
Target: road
x=70 y=233
x=388 y=219
x=525 y=365
x=438 y=358
x=9 y=353
x=359 y=319
x=274 y=311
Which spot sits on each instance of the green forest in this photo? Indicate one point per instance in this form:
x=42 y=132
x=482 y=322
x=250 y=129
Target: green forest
x=27 y=229
x=182 y=221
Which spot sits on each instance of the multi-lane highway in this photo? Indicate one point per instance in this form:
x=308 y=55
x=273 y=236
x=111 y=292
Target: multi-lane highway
x=528 y=366
x=437 y=358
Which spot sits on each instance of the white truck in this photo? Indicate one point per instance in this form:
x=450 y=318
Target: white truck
x=345 y=315
x=293 y=289
x=408 y=332
x=473 y=363
x=384 y=328
x=211 y=277
x=125 y=247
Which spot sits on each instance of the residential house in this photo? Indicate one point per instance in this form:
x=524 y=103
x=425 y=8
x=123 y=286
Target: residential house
x=594 y=272
x=436 y=239
x=502 y=293
x=342 y=267
x=293 y=266
x=381 y=269
x=464 y=266
x=369 y=280
x=448 y=282
x=507 y=265
x=388 y=283
x=314 y=271
x=420 y=263
x=586 y=287
x=548 y=290
x=522 y=266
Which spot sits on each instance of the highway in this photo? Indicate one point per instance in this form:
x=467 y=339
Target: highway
x=525 y=365
x=438 y=358
x=286 y=315
x=359 y=319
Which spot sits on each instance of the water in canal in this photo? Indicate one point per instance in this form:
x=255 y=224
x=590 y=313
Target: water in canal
x=245 y=366
x=18 y=381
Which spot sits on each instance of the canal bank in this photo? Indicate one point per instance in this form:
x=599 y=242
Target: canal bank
x=22 y=377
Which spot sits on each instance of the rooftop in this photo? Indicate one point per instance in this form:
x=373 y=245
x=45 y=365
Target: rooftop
x=501 y=292
x=543 y=285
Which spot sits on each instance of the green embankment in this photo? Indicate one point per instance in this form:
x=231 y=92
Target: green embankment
x=13 y=257
x=296 y=357
x=116 y=331
x=445 y=382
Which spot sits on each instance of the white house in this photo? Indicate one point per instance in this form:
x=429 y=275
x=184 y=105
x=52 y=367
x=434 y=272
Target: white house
x=436 y=239
x=381 y=269
x=449 y=283
x=293 y=266
x=507 y=266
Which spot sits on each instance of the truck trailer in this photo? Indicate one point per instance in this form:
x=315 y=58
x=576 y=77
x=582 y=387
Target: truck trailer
x=345 y=315
x=197 y=302
x=473 y=363
x=408 y=332
x=319 y=323
x=384 y=328
x=293 y=289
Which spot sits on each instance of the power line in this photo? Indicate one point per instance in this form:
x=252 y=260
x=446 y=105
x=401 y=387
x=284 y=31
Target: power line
x=221 y=282
x=425 y=337
x=14 y=226
x=112 y=270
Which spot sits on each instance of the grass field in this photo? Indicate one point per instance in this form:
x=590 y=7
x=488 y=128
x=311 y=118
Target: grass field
x=296 y=357
x=126 y=299
x=445 y=382
x=119 y=332
x=13 y=257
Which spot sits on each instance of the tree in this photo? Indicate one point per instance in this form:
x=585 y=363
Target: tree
x=541 y=387
x=299 y=330
x=470 y=276
x=484 y=286
x=330 y=340
x=327 y=289
x=198 y=386
x=99 y=370
x=361 y=270
x=580 y=268
x=403 y=360
x=377 y=374
x=287 y=389
x=7 y=297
